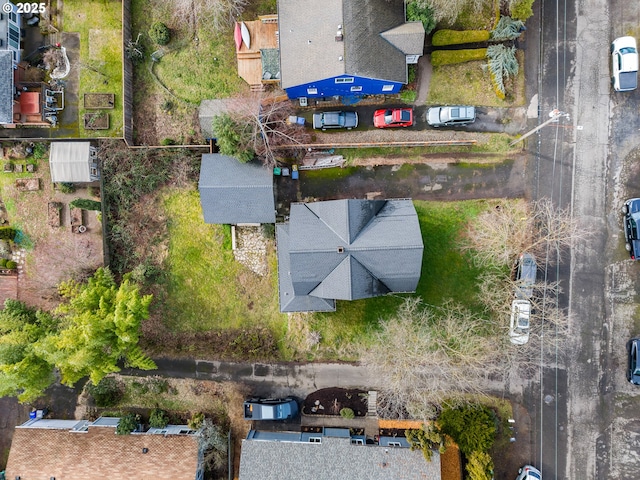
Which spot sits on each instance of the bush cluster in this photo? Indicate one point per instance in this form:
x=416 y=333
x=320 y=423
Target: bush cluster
x=421 y=13
x=456 y=37
x=7 y=233
x=65 y=187
x=160 y=33
x=347 y=413
x=86 y=204
x=158 y=418
x=11 y=265
x=127 y=424
x=451 y=57
x=521 y=9
x=107 y=393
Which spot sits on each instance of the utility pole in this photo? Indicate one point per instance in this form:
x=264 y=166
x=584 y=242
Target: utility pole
x=554 y=114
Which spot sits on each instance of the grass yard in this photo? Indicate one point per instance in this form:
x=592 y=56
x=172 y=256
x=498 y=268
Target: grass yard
x=206 y=288
x=99 y=24
x=446 y=274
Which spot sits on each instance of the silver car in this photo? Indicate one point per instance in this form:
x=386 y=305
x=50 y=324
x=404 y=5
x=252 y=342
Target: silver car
x=448 y=116
x=326 y=120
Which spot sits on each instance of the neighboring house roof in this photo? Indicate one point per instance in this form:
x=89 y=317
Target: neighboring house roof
x=210 y=109
x=6 y=86
x=54 y=450
x=309 y=51
x=70 y=162
x=233 y=192
x=332 y=458
x=347 y=250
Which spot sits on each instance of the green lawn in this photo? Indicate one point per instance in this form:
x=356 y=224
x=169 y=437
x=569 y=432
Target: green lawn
x=206 y=288
x=99 y=24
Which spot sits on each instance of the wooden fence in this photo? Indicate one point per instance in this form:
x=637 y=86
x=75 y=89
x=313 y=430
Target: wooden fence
x=127 y=74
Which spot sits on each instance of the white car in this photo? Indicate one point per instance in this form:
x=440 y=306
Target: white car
x=519 y=327
x=624 y=59
x=529 y=473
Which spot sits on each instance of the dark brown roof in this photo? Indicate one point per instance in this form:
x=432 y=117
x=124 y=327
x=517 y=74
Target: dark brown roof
x=39 y=453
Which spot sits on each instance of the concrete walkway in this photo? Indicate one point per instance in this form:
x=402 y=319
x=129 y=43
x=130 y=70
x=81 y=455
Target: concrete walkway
x=268 y=379
x=424 y=79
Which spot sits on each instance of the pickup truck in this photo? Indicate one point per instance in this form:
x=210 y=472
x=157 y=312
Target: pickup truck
x=270 y=409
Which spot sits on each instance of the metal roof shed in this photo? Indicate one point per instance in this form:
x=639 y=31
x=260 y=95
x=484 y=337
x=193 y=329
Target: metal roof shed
x=73 y=162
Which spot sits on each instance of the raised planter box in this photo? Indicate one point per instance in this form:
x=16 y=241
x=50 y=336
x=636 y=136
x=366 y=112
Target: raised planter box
x=28 y=184
x=96 y=101
x=55 y=214
x=96 y=121
x=75 y=217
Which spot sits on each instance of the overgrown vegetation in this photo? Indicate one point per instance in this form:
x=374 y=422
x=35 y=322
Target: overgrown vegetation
x=127 y=424
x=421 y=12
x=427 y=439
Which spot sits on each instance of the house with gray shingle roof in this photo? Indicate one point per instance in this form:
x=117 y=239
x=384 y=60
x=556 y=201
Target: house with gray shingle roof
x=235 y=193
x=333 y=454
x=346 y=48
x=80 y=449
x=347 y=250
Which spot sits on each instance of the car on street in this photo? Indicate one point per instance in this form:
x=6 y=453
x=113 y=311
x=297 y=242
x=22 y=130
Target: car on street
x=631 y=211
x=270 y=408
x=624 y=64
x=529 y=473
x=526 y=272
x=633 y=370
x=519 y=325
x=324 y=120
x=452 y=115
x=393 y=117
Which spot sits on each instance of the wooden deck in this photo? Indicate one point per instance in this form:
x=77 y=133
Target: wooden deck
x=263 y=34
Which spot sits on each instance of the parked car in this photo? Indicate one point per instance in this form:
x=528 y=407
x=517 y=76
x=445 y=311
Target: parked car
x=393 y=117
x=529 y=473
x=324 y=120
x=451 y=115
x=519 y=325
x=631 y=211
x=624 y=64
x=270 y=408
x=526 y=272
x=633 y=372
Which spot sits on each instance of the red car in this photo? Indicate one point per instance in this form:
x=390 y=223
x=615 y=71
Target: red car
x=395 y=117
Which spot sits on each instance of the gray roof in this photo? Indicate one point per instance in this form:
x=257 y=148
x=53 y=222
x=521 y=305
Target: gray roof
x=408 y=38
x=70 y=162
x=349 y=249
x=333 y=458
x=6 y=86
x=233 y=192
x=209 y=109
x=309 y=51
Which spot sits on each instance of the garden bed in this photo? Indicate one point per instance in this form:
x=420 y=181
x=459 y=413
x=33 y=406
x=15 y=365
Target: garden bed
x=96 y=121
x=95 y=101
x=27 y=184
x=329 y=401
x=55 y=209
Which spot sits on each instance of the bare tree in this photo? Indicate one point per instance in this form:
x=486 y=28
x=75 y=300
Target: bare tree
x=450 y=9
x=264 y=127
x=218 y=13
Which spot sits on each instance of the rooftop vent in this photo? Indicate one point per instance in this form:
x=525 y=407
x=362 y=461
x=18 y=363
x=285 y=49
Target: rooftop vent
x=340 y=249
x=340 y=58
x=339 y=36
x=145 y=450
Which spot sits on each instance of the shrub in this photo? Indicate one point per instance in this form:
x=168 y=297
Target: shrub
x=39 y=150
x=456 y=37
x=421 y=13
x=158 y=418
x=196 y=421
x=93 y=191
x=11 y=265
x=502 y=64
x=167 y=141
x=347 y=413
x=426 y=439
x=160 y=33
x=127 y=424
x=65 y=187
x=3 y=262
x=408 y=96
x=233 y=138
x=479 y=466
x=472 y=427
x=521 y=9
x=107 y=393
x=7 y=233
x=451 y=57
x=507 y=29
x=86 y=204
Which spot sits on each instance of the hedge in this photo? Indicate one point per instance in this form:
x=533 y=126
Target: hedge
x=7 y=233
x=85 y=204
x=11 y=265
x=456 y=37
x=451 y=57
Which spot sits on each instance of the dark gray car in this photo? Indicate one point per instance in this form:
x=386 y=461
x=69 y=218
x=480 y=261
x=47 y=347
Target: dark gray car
x=633 y=370
x=326 y=120
x=448 y=116
x=631 y=211
x=526 y=272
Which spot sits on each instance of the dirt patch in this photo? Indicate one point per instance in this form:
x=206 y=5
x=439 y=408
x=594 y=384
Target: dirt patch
x=99 y=100
x=329 y=401
x=96 y=121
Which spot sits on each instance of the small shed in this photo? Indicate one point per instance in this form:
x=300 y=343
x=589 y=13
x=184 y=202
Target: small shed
x=73 y=162
x=235 y=193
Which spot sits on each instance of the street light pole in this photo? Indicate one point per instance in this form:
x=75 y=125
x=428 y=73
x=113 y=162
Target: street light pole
x=554 y=114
